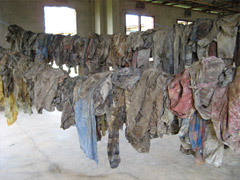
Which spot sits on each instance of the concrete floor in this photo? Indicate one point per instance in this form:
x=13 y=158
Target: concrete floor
x=36 y=148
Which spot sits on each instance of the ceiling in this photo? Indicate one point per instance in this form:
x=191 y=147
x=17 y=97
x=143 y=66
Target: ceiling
x=219 y=7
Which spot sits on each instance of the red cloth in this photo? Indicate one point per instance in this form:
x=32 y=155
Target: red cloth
x=180 y=95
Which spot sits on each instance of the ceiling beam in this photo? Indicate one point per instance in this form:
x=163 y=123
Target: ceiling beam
x=212 y=5
x=196 y=5
x=206 y=7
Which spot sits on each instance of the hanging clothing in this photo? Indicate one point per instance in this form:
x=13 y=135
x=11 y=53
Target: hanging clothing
x=11 y=109
x=204 y=78
x=180 y=95
x=197 y=136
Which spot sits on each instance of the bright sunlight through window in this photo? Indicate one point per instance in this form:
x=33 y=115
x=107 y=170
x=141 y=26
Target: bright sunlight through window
x=135 y=23
x=60 y=20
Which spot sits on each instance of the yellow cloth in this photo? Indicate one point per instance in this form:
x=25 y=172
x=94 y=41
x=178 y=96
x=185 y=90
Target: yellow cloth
x=1 y=92
x=11 y=109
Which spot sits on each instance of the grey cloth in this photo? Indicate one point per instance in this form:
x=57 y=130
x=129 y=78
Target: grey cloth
x=134 y=41
x=100 y=95
x=163 y=50
x=157 y=121
x=15 y=36
x=185 y=146
x=116 y=56
x=126 y=78
x=140 y=143
x=45 y=86
x=213 y=148
x=182 y=51
x=204 y=31
x=226 y=38
x=204 y=78
x=143 y=57
x=143 y=117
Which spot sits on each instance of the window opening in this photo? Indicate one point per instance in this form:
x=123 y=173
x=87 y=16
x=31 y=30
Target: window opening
x=184 y=22
x=60 y=20
x=134 y=23
x=147 y=22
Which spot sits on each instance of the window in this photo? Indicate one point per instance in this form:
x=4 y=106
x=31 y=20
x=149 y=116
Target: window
x=184 y=22
x=60 y=20
x=135 y=23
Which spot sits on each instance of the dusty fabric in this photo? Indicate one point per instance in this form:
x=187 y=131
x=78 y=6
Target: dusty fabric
x=102 y=126
x=219 y=114
x=46 y=84
x=84 y=113
x=117 y=51
x=233 y=125
x=14 y=37
x=126 y=78
x=157 y=126
x=237 y=49
x=21 y=91
x=163 y=50
x=153 y=89
x=98 y=63
x=178 y=63
x=183 y=135
x=134 y=41
x=181 y=48
x=115 y=122
x=64 y=100
x=86 y=126
x=7 y=75
x=180 y=95
x=213 y=148
x=212 y=51
x=91 y=62
x=202 y=36
x=197 y=136
x=11 y=109
x=139 y=40
x=226 y=38
x=43 y=41
x=144 y=119
x=100 y=95
x=133 y=111
x=143 y=57
x=56 y=46
x=68 y=116
x=1 y=93
x=134 y=59
x=204 y=78
x=201 y=29
x=164 y=122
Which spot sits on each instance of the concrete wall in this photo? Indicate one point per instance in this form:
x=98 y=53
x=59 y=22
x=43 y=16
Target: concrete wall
x=165 y=17
x=29 y=15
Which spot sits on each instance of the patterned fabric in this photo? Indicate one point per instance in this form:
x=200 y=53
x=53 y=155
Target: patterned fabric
x=197 y=136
